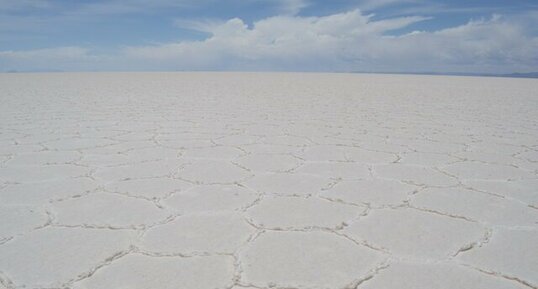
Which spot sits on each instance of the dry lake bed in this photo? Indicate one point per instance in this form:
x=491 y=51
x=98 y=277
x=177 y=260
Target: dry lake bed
x=267 y=180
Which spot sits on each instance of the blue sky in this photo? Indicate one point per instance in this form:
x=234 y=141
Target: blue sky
x=480 y=36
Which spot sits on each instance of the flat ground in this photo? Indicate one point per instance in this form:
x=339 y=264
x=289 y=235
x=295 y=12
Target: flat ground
x=238 y=180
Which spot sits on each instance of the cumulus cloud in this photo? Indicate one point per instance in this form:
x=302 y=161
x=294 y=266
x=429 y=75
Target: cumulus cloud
x=275 y=43
x=490 y=45
x=350 y=41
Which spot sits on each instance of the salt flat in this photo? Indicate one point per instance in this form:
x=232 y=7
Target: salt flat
x=267 y=180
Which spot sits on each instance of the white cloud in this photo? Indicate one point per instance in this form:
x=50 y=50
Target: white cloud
x=51 y=53
x=484 y=45
x=369 y=5
x=201 y=25
x=46 y=59
x=348 y=41
x=292 y=7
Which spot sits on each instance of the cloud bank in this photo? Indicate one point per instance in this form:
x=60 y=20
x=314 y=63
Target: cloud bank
x=349 y=41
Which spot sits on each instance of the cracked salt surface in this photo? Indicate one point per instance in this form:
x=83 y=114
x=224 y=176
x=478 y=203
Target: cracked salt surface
x=258 y=181
x=445 y=276
x=136 y=271
x=301 y=213
x=211 y=198
x=221 y=233
x=372 y=192
x=306 y=259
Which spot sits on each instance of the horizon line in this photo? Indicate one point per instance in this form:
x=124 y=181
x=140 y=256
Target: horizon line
x=432 y=73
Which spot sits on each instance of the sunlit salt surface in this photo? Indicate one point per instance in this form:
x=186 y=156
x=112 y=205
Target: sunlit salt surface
x=267 y=180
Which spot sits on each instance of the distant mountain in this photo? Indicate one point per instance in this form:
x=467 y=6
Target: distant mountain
x=515 y=75
x=522 y=75
x=31 y=71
